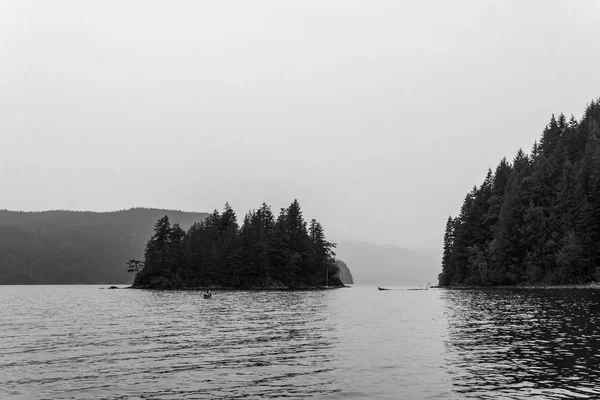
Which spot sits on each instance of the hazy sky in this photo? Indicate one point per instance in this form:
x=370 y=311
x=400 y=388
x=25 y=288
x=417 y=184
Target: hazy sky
x=378 y=116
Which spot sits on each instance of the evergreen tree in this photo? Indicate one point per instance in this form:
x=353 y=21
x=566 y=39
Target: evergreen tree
x=157 y=255
x=157 y=249
x=445 y=277
x=323 y=258
x=177 y=257
x=550 y=137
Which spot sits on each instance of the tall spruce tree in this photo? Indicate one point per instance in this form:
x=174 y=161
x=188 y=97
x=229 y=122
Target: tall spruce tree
x=445 y=277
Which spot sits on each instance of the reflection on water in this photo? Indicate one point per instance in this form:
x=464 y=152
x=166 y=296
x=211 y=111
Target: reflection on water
x=78 y=342
x=524 y=343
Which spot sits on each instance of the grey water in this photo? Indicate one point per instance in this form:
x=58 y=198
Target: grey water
x=80 y=342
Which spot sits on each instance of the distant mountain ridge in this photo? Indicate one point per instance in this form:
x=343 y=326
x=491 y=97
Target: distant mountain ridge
x=388 y=264
x=64 y=247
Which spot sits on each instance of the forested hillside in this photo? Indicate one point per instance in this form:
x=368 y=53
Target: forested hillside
x=535 y=219
x=266 y=251
x=63 y=247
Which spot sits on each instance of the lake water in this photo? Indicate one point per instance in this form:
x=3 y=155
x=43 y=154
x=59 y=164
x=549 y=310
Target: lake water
x=79 y=342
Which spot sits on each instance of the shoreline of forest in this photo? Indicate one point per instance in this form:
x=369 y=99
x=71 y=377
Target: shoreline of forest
x=591 y=285
x=249 y=289
x=534 y=221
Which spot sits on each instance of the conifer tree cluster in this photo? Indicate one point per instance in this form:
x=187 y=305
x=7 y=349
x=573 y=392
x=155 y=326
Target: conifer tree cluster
x=535 y=219
x=265 y=252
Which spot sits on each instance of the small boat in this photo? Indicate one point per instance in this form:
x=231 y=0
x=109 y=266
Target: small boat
x=380 y=288
x=208 y=295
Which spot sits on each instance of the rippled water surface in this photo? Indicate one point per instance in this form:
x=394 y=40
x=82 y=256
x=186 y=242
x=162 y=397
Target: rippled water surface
x=79 y=342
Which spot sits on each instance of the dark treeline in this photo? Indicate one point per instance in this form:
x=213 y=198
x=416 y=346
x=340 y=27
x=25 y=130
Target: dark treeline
x=535 y=219
x=264 y=252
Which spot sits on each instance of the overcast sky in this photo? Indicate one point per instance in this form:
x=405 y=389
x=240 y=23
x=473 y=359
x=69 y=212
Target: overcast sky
x=378 y=116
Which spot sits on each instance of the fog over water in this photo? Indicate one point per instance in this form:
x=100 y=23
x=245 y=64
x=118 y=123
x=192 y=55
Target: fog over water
x=377 y=116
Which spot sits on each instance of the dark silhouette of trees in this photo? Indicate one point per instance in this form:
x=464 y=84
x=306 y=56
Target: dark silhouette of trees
x=135 y=266
x=536 y=219
x=264 y=252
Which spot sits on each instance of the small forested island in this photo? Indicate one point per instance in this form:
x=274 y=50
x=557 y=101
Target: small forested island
x=266 y=252
x=535 y=220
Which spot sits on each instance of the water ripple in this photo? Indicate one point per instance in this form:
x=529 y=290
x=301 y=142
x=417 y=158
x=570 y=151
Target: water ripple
x=78 y=342
x=171 y=345
x=523 y=343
